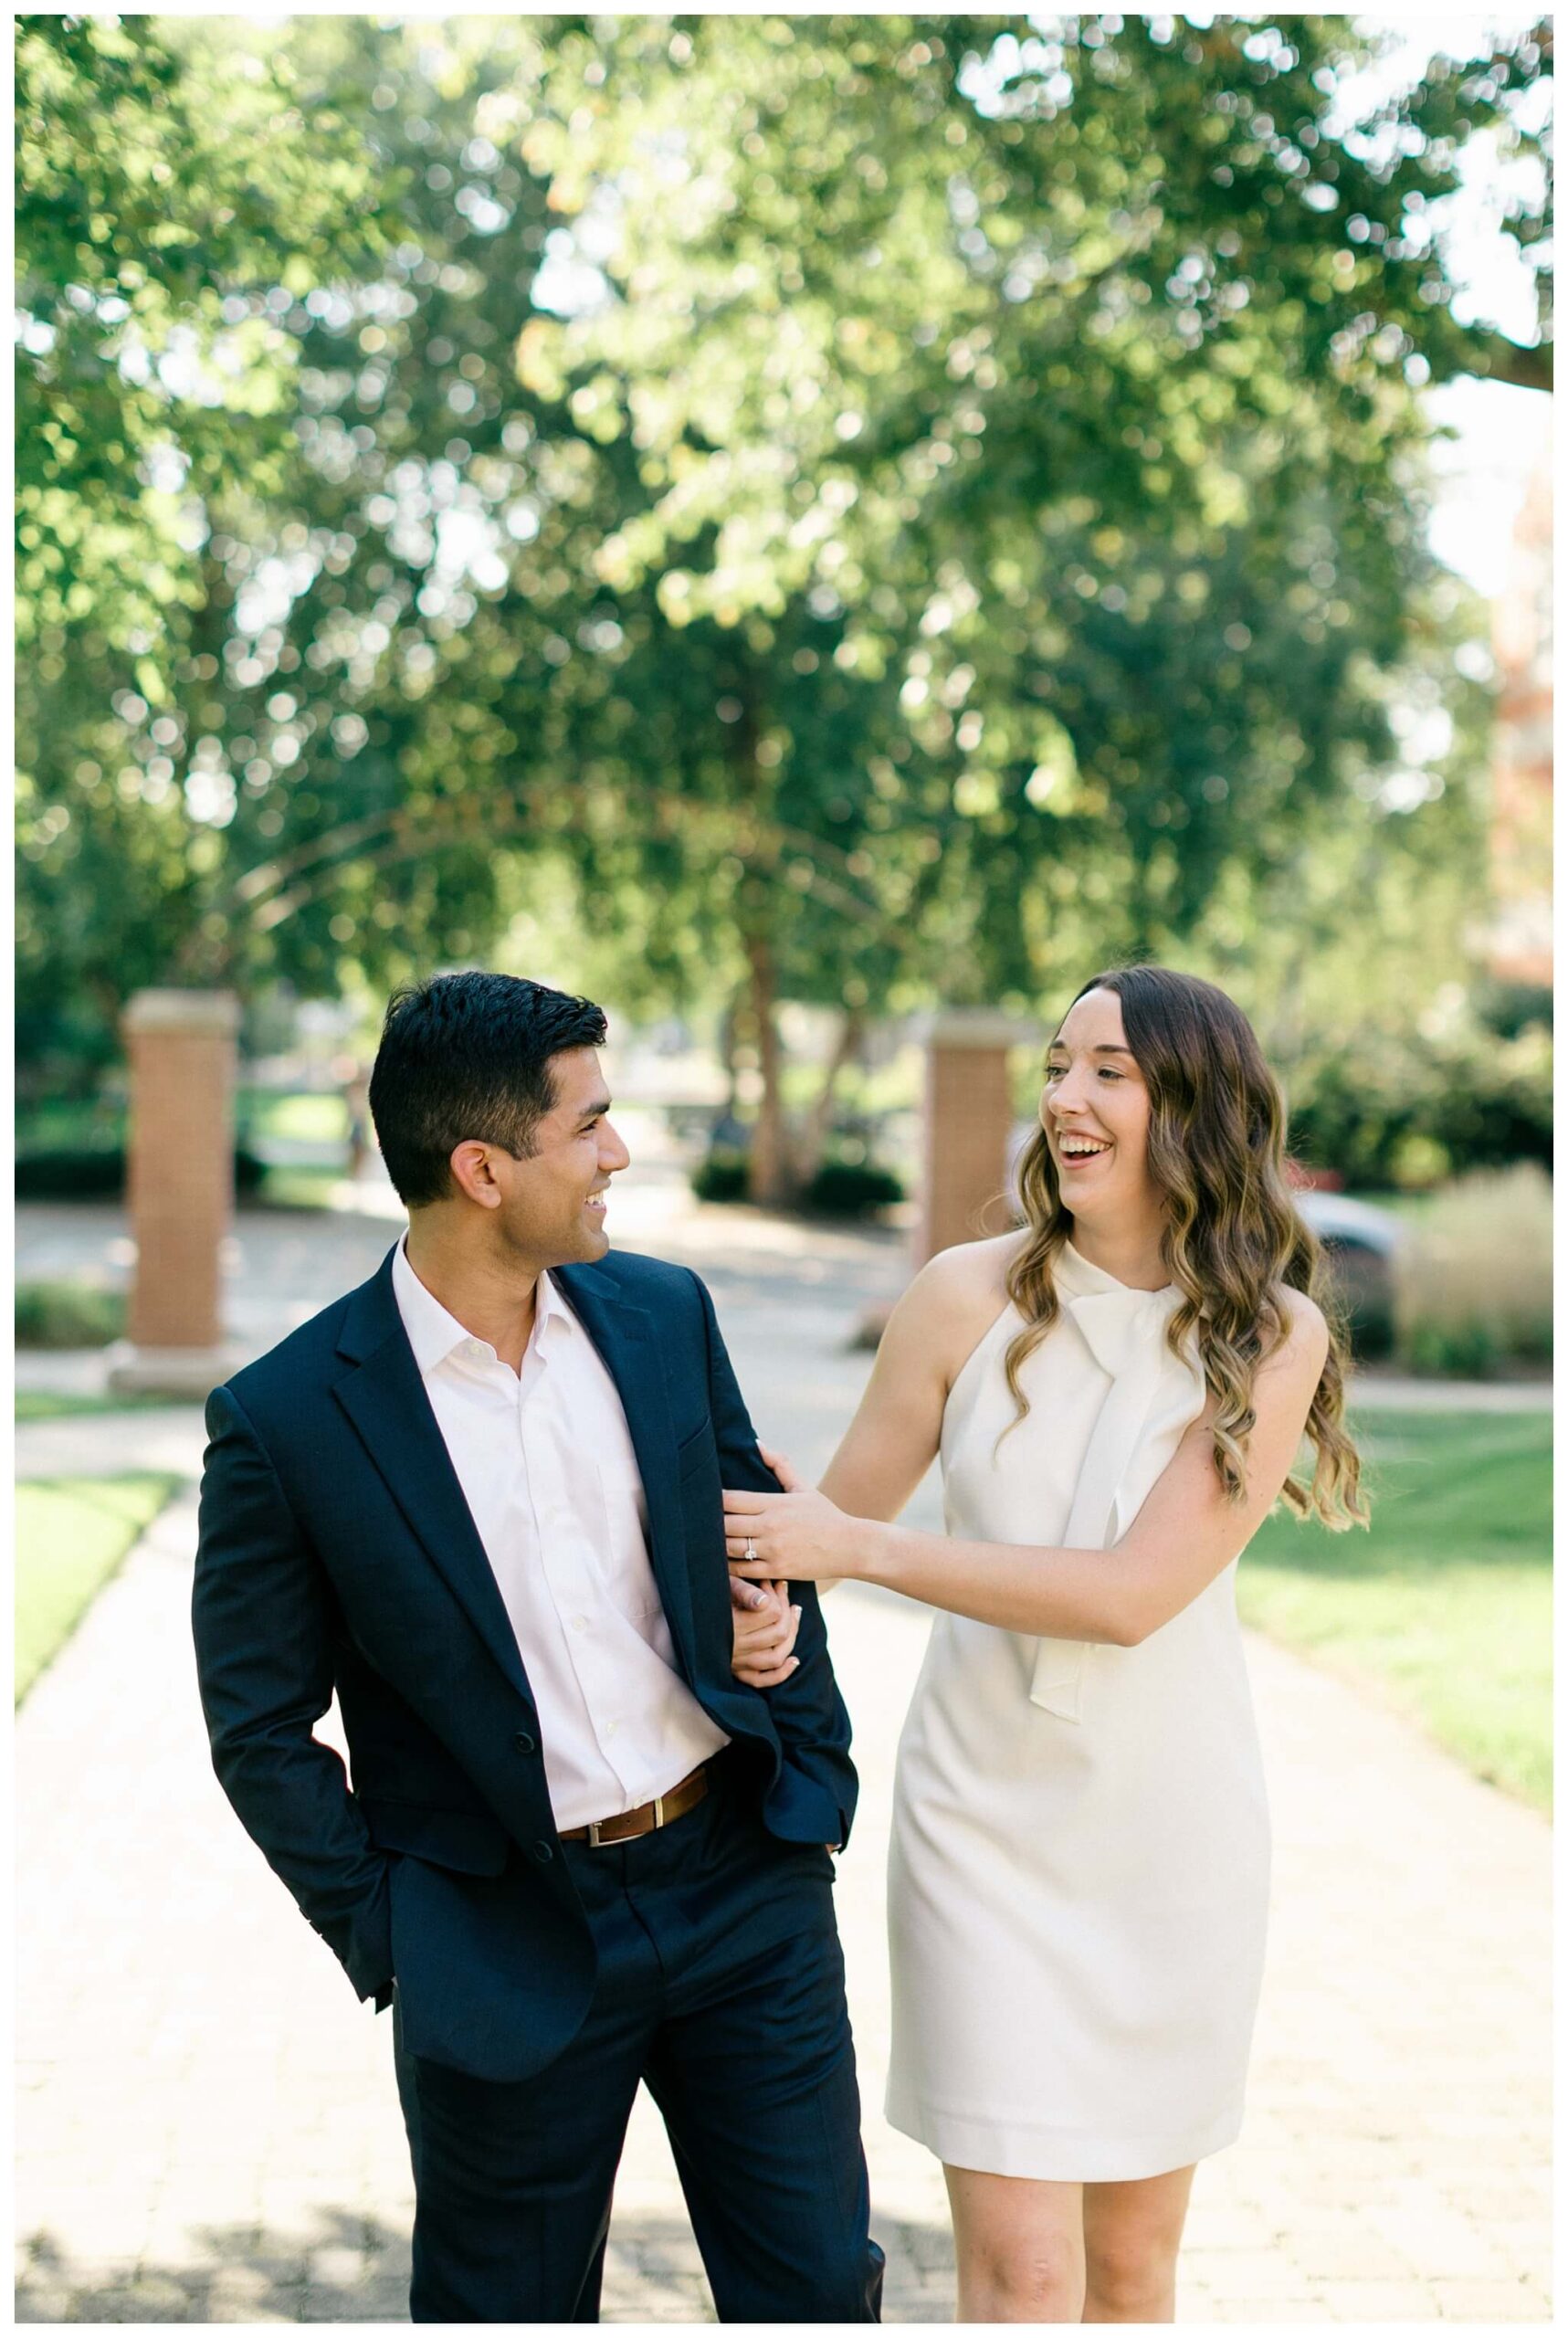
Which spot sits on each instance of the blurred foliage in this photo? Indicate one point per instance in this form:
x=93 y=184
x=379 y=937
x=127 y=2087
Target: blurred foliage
x=1473 y=1282
x=1384 y=1107
x=1510 y=1007
x=846 y=509
x=176 y=193
x=98 y=1173
x=724 y=1175
x=73 y=1148
x=67 y=1315
x=1073 y=385
x=841 y=1187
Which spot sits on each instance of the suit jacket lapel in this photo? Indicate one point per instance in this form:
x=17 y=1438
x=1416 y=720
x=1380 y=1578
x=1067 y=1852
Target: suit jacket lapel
x=384 y=1395
x=626 y=1340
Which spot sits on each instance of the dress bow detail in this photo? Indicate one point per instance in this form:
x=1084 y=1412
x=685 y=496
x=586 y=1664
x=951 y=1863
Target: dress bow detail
x=1112 y=1321
x=1124 y=1331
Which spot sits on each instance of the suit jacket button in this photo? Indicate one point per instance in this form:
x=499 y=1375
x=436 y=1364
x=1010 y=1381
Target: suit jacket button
x=544 y=1853
x=524 y=1743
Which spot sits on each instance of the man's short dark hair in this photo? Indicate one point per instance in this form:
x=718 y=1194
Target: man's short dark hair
x=466 y=1056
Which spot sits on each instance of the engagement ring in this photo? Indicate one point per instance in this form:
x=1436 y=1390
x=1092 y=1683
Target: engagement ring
x=750 y=1552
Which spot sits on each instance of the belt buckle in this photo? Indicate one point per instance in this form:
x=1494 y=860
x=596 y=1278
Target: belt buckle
x=596 y=1838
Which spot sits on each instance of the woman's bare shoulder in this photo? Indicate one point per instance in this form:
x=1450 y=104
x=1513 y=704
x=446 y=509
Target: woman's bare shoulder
x=1306 y=1340
x=975 y=1272
x=959 y=1293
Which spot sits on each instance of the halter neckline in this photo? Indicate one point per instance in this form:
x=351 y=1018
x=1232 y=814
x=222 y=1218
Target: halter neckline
x=1097 y=1278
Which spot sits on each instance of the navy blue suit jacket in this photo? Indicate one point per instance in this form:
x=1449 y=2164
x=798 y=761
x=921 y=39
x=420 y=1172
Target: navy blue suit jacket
x=337 y=1554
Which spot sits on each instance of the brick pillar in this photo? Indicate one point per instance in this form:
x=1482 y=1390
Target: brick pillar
x=968 y=1117
x=180 y=1187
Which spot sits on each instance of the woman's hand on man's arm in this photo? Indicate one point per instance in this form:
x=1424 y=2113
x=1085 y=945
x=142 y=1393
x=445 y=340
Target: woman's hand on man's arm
x=1184 y=1536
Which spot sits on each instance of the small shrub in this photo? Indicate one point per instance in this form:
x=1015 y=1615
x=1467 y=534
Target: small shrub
x=840 y=1188
x=67 y=1315
x=1473 y=1286
x=70 y=1176
x=724 y=1176
x=850 y=1189
x=1453 y=1351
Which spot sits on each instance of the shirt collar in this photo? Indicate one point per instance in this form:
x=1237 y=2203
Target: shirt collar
x=435 y=1333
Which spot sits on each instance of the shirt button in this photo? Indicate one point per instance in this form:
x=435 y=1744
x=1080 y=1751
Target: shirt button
x=544 y=1854
x=610 y=1729
x=524 y=1743
x=579 y=1623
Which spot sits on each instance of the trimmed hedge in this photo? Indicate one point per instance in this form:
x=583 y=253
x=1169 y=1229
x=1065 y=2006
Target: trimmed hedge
x=94 y=1173
x=724 y=1176
x=851 y=1189
x=840 y=1189
x=67 y=1315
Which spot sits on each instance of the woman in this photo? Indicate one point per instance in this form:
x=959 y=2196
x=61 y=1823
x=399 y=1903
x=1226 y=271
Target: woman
x=1079 y=1868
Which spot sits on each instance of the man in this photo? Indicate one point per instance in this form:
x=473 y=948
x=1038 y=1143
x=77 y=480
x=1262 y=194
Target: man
x=480 y=1498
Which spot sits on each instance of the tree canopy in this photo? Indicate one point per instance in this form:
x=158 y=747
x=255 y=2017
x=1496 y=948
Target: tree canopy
x=869 y=509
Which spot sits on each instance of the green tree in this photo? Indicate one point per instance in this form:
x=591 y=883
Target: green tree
x=163 y=172
x=1075 y=382
x=975 y=520
x=178 y=192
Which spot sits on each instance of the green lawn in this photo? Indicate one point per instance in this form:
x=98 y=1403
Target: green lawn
x=46 y=1405
x=303 y=1187
x=71 y=1535
x=318 y=1119
x=1444 y=1606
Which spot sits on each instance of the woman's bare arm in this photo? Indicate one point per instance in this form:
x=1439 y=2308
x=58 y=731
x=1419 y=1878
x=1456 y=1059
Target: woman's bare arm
x=1185 y=1534
x=893 y=1438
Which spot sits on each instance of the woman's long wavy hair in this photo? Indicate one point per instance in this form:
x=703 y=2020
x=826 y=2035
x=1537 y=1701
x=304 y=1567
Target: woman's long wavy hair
x=1232 y=1235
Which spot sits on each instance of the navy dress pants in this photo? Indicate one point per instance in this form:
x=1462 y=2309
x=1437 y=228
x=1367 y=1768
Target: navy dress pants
x=720 y=1984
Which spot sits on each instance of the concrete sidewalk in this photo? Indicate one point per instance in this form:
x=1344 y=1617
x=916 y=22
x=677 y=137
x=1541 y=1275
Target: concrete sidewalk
x=207 y=2127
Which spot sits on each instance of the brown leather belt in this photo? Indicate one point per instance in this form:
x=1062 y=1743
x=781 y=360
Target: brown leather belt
x=627 y=1825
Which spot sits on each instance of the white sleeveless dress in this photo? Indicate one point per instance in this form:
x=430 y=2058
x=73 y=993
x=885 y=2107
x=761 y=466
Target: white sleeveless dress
x=1078 y=1875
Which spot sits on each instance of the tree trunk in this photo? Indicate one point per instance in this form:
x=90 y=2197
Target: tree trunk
x=772 y=1180
x=727 y=1044
x=847 y=1048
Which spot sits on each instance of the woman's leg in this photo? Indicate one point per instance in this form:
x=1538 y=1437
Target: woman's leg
x=1019 y=2245
x=1131 y=2233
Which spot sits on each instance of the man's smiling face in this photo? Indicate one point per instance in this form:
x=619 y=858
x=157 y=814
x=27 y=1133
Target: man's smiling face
x=554 y=1202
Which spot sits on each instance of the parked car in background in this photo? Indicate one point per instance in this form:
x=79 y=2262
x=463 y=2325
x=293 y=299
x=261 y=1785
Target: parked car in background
x=1360 y=1243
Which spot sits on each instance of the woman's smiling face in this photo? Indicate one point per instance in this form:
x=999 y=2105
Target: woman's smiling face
x=1095 y=1113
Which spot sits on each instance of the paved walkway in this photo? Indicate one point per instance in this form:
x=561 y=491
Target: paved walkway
x=207 y=2127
